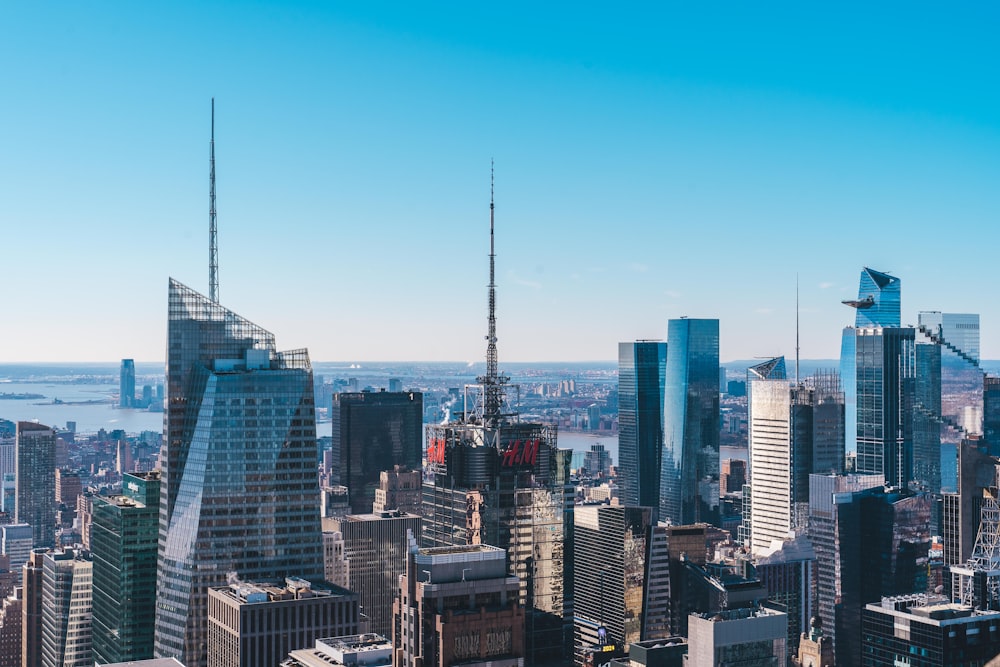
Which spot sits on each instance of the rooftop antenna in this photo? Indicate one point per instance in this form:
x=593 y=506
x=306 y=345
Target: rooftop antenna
x=492 y=381
x=213 y=243
x=796 y=329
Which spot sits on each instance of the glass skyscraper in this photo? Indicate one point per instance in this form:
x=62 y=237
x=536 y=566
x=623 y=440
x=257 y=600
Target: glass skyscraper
x=126 y=384
x=878 y=367
x=239 y=487
x=642 y=368
x=689 y=472
x=35 y=482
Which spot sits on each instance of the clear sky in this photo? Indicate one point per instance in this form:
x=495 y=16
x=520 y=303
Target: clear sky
x=653 y=160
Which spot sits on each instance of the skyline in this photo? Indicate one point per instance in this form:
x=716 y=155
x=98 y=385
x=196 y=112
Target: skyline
x=650 y=165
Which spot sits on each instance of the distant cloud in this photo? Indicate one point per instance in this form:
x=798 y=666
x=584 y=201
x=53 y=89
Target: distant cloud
x=523 y=282
x=638 y=267
x=827 y=285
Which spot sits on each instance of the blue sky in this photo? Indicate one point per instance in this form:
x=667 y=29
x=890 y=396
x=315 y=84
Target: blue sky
x=652 y=161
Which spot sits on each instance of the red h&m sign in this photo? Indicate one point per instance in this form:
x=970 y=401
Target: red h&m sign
x=435 y=451
x=521 y=452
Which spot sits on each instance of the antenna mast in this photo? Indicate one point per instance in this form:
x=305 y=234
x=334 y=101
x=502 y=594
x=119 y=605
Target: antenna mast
x=492 y=381
x=796 y=330
x=213 y=246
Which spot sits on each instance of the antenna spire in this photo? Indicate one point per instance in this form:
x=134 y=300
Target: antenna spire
x=213 y=243
x=796 y=329
x=492 y=382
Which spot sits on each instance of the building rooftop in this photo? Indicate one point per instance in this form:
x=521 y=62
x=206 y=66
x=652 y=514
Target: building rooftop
x=295 y=588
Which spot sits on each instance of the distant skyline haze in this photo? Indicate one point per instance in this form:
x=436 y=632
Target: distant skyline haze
x=652 y=162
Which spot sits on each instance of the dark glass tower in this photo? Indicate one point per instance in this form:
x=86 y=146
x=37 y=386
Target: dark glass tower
x=126 y=384
x=123 y=538
x=374 y=431
x=35 y=460
x=239 y=487
x=642 y=368
x=689 y=477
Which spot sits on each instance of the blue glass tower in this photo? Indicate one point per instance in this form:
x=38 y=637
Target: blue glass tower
x=689 y=471
x=642 y=368
x=239 y=490
x=878 y=364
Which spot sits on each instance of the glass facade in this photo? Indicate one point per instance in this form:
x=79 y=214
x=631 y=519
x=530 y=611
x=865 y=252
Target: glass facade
x=642 y=368
x=517 y=496
x=886 y=372
x=239 y=481
x=35 y=482
x=878 y=303
x=374 y=431
x=689 y=472
x=124 y=536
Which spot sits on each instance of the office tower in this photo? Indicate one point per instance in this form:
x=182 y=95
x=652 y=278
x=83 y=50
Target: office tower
x=367 y=650
x=457 y=605
x=610 y=552
x=336 y=568
x=69 y=485
x=878 y=365
x=961 y=511
x=66 y=609
x=375 y=431
x=239 y=490
x=256 y=625
x=948 y=402
x=493 y=479
x=126 y=384
x=787 y=573
x=399 y=489
x=689 y=472
x=516 y=494
x=834 y=533
x=597 y=461
x=733 y=476
x=976 y=583
x=795 y=431
x=36 y=481
x=656 y=596
x=16 y=543
x=642 y=368
x=8 y=475
x=869 y=543
x=84 y=512
x=928 y=631
x=124 y=539
x=10 y=629
x=375 y=547
x=991 y=413
x=753 y=637
x=31 y=606
x=395 y=385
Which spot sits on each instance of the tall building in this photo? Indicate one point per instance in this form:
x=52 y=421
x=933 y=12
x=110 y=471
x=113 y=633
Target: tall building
x=10 y=629
x=256 y=625
x=31 y=610
x=642 y=368
x=8 y=475
x=124 y=538
x=458 y=605
x=948 y=401
x=961 y=510
x=795 y=431
x=870 y=542
x=689 y=471
x=239 y=486
x=375 y=546
x=610 y=553
x=66 y=609
x=878 y=365
x=493 y=479
x=374 y=431
x=126 y=384
x=337 y=569
x=16 y=543
x=788 y=571
x=36 y=481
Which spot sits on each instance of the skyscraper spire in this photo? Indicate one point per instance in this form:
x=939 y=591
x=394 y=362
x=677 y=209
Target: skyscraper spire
x=492 y=381
x=796 y=330
x=213 y=247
